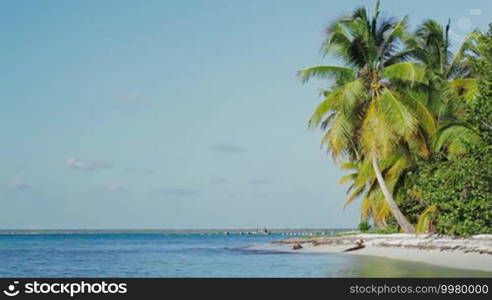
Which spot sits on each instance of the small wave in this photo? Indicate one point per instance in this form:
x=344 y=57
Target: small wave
x=261 y=249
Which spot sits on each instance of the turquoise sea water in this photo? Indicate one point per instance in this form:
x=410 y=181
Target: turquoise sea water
x=190 y=255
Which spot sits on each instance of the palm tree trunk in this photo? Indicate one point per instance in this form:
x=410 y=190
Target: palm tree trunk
x=400 y=218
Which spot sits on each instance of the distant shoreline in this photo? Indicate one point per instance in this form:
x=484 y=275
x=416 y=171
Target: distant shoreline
x=222 y=231
x=473 y=253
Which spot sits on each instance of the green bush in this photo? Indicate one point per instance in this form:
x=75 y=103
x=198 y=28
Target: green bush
x=388 y=230
x=364 y=226
x=460 y=188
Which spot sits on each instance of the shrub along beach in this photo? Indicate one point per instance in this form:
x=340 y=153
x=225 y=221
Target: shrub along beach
x=409 y=114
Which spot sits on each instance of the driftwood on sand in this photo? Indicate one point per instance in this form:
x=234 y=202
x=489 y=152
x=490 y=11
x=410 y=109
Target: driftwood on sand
x=359 y=245
x=297 y=247
x=481 y=244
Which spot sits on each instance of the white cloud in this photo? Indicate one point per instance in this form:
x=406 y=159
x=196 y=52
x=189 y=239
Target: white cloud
x=218 y=180
x=75 y=163
x=17 y=184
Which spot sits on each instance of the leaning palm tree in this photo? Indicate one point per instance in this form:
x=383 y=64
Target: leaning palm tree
x=372 y=108
x=450 y=81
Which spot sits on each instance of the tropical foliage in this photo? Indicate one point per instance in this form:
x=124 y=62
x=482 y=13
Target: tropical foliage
x=457 y=189
x=400 y=104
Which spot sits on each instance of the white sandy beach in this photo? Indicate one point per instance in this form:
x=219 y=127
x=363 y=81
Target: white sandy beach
x=474 y=253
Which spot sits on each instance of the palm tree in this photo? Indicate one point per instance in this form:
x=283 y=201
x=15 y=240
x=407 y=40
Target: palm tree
x=453 y=72
x=451 y=80
x=372 y=108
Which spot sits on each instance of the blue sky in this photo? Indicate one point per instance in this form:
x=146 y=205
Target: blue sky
x=172 y=114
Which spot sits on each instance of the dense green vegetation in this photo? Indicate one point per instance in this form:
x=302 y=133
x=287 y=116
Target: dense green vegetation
x=456 y=190
x=364 y=226
x=411 y=120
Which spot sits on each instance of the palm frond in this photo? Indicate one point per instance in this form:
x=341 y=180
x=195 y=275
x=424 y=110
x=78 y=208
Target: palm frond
x=337 y=73
x=338 y=99
x=397 y=115
x=425 y=219
x=356 y=193
x=407 y=71
x=347 y=178
x=456 y=139
x=466 y=88
x=338 y=136
x=348 y=165
x=416 y=103
x=376 y=135
x=468 y=46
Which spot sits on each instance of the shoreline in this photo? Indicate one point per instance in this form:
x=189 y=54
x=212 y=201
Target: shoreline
x=473 y=253
x=211 y=231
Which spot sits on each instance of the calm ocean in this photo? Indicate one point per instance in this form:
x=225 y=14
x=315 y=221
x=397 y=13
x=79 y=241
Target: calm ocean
x=174 y=255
